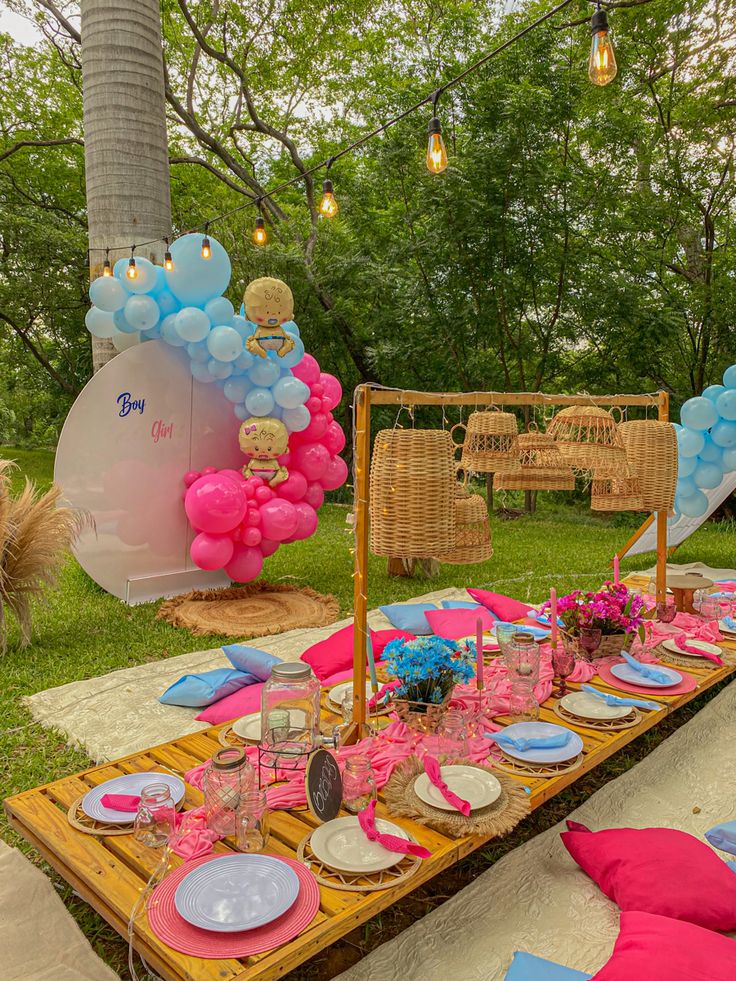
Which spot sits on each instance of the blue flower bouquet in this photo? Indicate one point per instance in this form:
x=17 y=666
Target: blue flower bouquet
x=428 y=669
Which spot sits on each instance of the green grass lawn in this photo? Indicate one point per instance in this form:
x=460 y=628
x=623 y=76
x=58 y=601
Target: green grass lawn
x=82 y=632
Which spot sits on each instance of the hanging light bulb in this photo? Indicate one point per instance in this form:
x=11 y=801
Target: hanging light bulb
x=436 y=150
x=328 y=206
x=106 y=267
x=131 y=272
x=206 y=246
x=260 y=235
x=168 y=261
x=602 y=65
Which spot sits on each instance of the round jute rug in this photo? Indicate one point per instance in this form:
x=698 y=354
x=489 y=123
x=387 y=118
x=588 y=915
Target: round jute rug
x=254 y=610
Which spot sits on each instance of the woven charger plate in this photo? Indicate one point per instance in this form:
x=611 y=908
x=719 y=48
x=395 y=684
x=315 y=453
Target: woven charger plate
x=363 y=882
x=509 y=765
x=497 y=819
x=601 y=725
x=255 y=610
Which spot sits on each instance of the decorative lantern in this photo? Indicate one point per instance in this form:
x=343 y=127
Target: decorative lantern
x=543 y=466
x=491 y=443
x=651 y=449
x=412 y=493
x=472 y=532
x=588 y=439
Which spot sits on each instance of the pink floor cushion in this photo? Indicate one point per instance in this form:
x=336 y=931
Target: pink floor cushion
x=335 y=653
x=240 y=703
x=503 y=607
x=657 y=870
x=656 y=948
x=454 y=624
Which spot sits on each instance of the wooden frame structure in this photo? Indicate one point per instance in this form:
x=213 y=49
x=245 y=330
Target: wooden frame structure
x=367 y=396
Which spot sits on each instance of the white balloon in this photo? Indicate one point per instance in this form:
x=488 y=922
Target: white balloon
x=123 y=341
x=297 y=419
x=100 y=323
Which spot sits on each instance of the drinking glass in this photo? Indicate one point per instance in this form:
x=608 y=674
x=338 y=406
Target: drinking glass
x=666 y=610
x=523 y=705
x=452 y=736
x=156 y=815
x=590 y=640
x=504 y=635
x=563 y=665
x=710 y=607
x=358 y=784
x=252 y=827
x=726 y=603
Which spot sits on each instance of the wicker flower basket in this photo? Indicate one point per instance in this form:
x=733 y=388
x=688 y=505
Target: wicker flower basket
x=651 y=449
x=543 y=466
x=588 y=439
x=421 y=716
x=472 y=533
x=616 y=494
x=610 y=646
x=491 y=443
x=412 y=493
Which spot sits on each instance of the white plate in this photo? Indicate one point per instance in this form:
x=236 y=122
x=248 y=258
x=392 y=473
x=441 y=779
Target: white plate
x=725 y=629
x=624 y=672
x=670 y=645
x=249 y=727
x=475 y=786
x=236 y=892
x=587 y=706
x=343 y=846
x=335 y=695
x=129 y=783
x=537 y=730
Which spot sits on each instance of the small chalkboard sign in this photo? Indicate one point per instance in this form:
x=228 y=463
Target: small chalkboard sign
x=324 y=785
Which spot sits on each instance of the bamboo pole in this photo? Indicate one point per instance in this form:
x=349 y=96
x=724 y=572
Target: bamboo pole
x=360 y=572
x=381 y=396
x=664 y=415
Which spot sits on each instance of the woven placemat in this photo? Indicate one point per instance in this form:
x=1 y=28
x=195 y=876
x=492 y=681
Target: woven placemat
x=82 y=822
x=497 y=819
x=349 y=882
x=546 y=771
x=254 y=610
x=680 y=661
x=600 y=725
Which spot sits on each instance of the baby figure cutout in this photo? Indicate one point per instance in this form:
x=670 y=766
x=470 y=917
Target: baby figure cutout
x=263 y=440
x=269 y=303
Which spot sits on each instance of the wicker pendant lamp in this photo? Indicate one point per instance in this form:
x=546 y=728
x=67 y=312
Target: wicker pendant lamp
x=651 y=449
x=491 y=443
x=472 y=532
x=588 y=439
x=621 y=492
x=412 y=493
x=543 y=466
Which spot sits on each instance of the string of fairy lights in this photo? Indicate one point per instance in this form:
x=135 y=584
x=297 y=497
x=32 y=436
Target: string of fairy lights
x=601 y=70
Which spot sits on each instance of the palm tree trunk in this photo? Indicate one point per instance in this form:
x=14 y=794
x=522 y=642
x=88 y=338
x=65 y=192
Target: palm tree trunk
x=126 y=148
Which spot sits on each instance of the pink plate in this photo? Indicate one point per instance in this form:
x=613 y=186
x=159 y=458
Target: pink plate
x=170 y=927
x=687 y=684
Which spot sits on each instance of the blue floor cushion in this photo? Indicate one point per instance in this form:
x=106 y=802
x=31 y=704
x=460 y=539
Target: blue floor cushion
x=527 y=967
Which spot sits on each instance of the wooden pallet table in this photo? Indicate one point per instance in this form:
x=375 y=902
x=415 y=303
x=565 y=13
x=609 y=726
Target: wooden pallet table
x=110 y=873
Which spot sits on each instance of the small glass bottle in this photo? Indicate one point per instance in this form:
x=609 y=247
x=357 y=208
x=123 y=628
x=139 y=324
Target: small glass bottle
x=156 y=815
x=358 y=784
x=253 y=821
x=227 y=777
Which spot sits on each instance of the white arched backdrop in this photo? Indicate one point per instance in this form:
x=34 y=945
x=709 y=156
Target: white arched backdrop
x=136 y=428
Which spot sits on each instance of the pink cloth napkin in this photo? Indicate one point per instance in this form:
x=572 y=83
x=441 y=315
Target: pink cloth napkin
x=191 y=837
x=367 y=821
x=121 y=802
x=389 y=686
x=693 y=627
x=681 y=641
x=432 y=769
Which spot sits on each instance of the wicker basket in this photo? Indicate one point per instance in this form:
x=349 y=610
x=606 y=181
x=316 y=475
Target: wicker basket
x=651 y=449
x=610 y=646
x=472 y=532
x=421 y=716
x=588 y=439
x=543 y=466
x=491 y=443
x=412 y=493
x=616 y=493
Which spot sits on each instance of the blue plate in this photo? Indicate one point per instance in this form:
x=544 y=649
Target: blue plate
x=624 y=672
x=537 y=632
x=537 y=730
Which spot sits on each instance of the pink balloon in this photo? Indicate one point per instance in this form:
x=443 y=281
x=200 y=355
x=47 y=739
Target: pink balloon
x=315 y=496
x=211 y=551
x=307 y=522
x=316 y=428
x=314 y=404
x=278 y=519
x=235 y=474
x=249 y=490
x=318 y=389
x=332 y=389
x=294 y=488
x=325 y=405
x=254 y=482
x=312 y=459
x=252 y=537
x=245 y=564
x=268 y=547
x=190 y=477
x=285 y=458
x=307 y=370
x=237 y=535
x=334 y=438
x=208 y=470
x=253 y=518
x=335 y=475
x=263 y=494
x=215 y=503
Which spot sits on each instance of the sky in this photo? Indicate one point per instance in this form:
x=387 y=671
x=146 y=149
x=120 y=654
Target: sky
x=20 y=28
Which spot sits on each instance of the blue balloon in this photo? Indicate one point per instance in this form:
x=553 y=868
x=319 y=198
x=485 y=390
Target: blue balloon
x=169 y=332
x=167 y=303
x=686 y=465
x=293 y=357
x=160 y=284
x=689 y=441
x=224 y=344
x=193 y=324
x=220 y=310
x=259 y=402
x=100 y=323
x=145 y=276
x=729 y=460
x=707 y=476
x=729 y=377
x=244 y=361
x=244 y=327
x=694 y=506
x=142 y=312
x=713 y=391
x=195 y=280
x=219 y=369
x=153 y=334
x=241 y=412
x=120 y=269
x=290 y=392
x=698 y=413
x=710 y=452
x=724 y=434
x=236 y=389
x=685 y=486
x=198 y=351
x=108 y=294
x=264 y=373
x=726 y=404
x=122 y=324
x=291 y=328
x=200 y=372
x=673 y=518
x=297 y=419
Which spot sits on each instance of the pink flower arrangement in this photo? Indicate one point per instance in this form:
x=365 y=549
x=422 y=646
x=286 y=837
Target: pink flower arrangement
x=612 y=610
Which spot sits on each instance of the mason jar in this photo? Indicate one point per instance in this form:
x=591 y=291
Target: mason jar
x=228 y=776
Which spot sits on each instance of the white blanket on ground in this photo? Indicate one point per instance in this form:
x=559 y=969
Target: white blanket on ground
x=537 y=899
x=705 y=570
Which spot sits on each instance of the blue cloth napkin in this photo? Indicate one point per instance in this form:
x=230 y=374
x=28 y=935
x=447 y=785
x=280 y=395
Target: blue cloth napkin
x=546 y=620
x=615 y=700
x=730 y=623
x=648 y=672
x=539 y=742
x=723 y=836
x=538 y=633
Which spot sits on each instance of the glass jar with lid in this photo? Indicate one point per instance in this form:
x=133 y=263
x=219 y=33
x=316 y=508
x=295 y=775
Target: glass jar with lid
x=290 y=709
x=228 y=776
